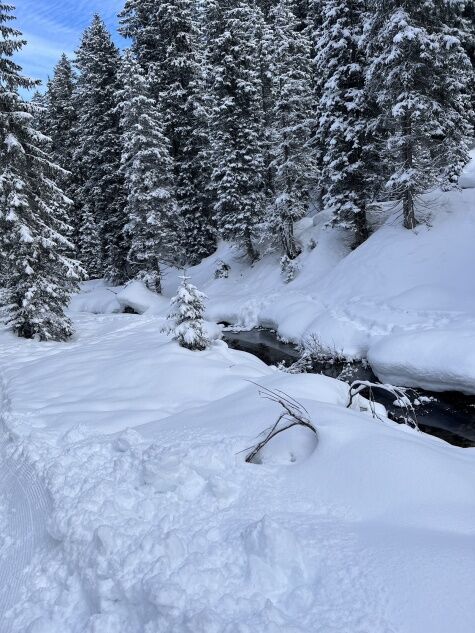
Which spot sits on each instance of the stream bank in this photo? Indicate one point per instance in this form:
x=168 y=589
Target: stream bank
x=449 y=416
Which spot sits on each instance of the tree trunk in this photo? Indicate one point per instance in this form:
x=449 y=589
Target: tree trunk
x=250 y=250
x=409 y=215
x=410 y=221
x=361 y=227
x=288 y=239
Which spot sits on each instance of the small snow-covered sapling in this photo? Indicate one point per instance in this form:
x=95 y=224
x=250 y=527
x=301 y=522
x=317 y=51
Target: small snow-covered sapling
x=185 y=319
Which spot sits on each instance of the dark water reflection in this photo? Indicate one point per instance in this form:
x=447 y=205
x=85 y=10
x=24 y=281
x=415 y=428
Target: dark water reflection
x=450 y=416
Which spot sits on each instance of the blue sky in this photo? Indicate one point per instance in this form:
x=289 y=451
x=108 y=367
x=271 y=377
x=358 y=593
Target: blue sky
x=54 y=26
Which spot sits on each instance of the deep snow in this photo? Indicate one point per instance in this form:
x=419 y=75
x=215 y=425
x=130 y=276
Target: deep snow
x=160 y=525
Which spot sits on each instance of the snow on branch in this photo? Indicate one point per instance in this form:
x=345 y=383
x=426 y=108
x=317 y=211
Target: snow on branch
x=399 y=394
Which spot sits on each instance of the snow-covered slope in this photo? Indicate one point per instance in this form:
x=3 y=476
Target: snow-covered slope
x=161 y=527
x=397 y=284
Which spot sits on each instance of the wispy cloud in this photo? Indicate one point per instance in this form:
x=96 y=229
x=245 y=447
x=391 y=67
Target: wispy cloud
x=54 y=26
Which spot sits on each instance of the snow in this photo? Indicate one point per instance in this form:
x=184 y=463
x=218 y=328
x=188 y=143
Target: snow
x=157 y=524
x=398 y=282
x=437 y=360
x=412 y=286
x=137 y=296
x=467 y=179
x=126 y=502
x=96 y=298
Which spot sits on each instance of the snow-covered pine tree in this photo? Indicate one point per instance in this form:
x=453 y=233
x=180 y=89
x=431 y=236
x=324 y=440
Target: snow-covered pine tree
x=38 y=100
x=343 y=115
x=309 y=15
x=264 y=37
x=457 y=19
x=291 y=122
x=418 y=75
x=181 y=84
x=88 y=240
x=237 y=120
x=148 y=173
x=58 y=122
x=166 y=39
x=38 y=275
x=101 y=194
x=469 y=42
x=185 y=318
x=61 y=114
x=139 y=23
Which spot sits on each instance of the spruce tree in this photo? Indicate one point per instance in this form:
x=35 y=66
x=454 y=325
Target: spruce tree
x=38 y=100
x=61 y=114
x=309 y=15
x=343 y=115
x=167 y=42
x=39 y=276
x=185 y=318
x=291 y=122
x=264 y=39
x=418 y=76
x=181 y=85
x=140 y=23
x=59 y=122
x=237 y=121
x=100 y=195
x=148 y=173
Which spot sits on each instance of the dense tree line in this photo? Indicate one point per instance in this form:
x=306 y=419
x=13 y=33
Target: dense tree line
x=223 y=120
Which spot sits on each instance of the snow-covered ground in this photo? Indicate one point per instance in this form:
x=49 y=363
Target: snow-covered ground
x=156 y=523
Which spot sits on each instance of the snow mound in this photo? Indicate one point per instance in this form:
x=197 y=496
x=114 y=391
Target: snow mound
x=138 y=297
x=438 y=360
x=292 y=446
x=96 y=298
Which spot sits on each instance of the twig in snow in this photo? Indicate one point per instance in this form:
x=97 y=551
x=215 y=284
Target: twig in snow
x=294 y=414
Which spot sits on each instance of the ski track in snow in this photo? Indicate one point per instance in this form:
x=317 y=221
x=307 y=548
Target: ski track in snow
x=24 y=507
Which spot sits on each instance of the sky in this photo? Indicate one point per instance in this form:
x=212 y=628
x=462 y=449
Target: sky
x=55 y=26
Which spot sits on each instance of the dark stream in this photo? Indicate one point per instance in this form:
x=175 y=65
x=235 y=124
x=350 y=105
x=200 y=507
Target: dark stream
x=450 y=415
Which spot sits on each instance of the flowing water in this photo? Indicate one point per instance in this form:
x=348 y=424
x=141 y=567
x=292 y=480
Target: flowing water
x=450 y=416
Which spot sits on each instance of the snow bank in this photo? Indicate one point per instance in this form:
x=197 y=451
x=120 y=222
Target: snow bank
x=150 y=379
x=438 y=360
x=397 y=282
x=137 y=296
x=96 y=298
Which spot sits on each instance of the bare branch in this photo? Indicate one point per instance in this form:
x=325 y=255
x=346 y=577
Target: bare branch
x=399 y=393
x=294 y=414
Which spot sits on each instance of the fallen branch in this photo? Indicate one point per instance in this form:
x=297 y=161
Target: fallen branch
x=400 y=394
x=294 y=414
